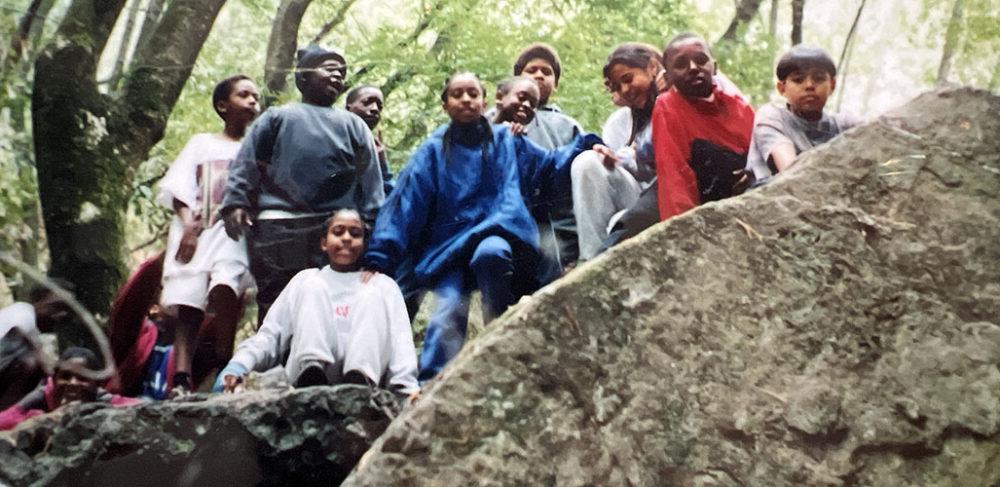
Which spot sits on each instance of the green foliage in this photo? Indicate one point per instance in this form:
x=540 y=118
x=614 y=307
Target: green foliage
x=485 y=37
x=18 y=185
x=410 y=46
x=749 y=63
x=977 y=58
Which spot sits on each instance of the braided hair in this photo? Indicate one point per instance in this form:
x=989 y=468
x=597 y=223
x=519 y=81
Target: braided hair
x=483 y=125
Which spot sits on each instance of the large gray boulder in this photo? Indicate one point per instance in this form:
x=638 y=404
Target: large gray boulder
x=840 y=326
x=310 y=436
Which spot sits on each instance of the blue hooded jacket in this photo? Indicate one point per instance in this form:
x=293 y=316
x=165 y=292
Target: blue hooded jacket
x=447 y=201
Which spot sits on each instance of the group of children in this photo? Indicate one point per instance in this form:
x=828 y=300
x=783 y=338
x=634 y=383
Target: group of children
x=503 y=200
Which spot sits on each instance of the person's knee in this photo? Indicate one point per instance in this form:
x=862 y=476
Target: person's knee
x=586 y=165
x=492 y=255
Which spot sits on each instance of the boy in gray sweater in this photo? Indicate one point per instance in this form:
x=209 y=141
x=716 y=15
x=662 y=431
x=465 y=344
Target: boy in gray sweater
x=300 y=163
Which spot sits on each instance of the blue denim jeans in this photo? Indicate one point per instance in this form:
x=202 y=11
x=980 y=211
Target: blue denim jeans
x=492 y=271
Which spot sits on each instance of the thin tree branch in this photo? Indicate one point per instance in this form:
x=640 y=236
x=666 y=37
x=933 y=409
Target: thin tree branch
x=154 y=13
x=845 y=54
x=772 y=26
x=951 y=41
x=418 y=30
x=88 y=319
x=28 y=28
x=124 y=47
x=337 y=19
x=155 y=238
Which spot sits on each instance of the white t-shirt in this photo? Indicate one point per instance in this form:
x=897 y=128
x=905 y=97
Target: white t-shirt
x=776 y=124
x=198 y=176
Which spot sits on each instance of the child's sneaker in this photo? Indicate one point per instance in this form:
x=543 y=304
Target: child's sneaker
x=312 y=375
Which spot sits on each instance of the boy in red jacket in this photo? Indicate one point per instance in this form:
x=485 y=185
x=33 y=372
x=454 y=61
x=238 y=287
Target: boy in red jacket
x=701 y=135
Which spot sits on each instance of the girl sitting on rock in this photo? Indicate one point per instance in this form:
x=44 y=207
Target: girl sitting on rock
x=335 y=324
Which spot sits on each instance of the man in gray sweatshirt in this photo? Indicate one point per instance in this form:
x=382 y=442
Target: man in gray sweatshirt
x=300 y=163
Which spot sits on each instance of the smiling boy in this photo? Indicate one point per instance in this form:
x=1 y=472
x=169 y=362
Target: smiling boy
x=299 y=164
x=701 y=134
x=551 y=128
x=517 y=99
x=806 y=78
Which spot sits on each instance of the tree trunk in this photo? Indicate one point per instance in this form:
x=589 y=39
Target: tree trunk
x=772 y=25
x=951 y=41
x=745 y=11
x=29 y=29
x=125 y=46
x=281 y=47
x=798 y=6
x=154 y=12
x=87 y=144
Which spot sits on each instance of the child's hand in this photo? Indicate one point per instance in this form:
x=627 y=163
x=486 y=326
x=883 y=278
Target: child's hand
x=367 y=275
x=608 y=156
x=746 y=178
x=189 y=240
x=232 y=383
x=237 y=221
x=516 y=128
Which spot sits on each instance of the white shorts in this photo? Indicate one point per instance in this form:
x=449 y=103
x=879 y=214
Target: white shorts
x=218 y=260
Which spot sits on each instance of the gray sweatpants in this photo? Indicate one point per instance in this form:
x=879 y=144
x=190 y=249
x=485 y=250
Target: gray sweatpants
x=598 y=195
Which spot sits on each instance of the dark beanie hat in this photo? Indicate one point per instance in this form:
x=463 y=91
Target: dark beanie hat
x=538 y=50
x=313 y=56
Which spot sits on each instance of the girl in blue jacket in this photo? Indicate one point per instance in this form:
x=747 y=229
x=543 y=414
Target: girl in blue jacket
x=461 y=212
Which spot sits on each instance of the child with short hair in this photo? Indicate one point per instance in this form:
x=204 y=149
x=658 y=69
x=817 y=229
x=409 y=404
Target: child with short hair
x=517 y=99
x=368 y=102
x=203 y=267
x=807 y=77
x=66 y=385
x=551 y=128
x=334 y=326
x=460 y=211
x=701 y=133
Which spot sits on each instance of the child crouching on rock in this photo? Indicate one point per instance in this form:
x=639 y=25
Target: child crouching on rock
x=460 y=210
x=335 y=324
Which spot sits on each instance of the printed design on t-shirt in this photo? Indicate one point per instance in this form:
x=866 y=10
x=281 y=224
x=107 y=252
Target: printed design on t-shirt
x=211 y=176
x=716 y=168
x=342 y=310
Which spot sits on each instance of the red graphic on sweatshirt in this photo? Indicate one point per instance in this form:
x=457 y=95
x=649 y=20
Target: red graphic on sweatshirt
x=343 y=310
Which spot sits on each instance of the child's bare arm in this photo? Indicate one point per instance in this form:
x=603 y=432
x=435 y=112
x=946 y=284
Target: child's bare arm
x=192 y=229
x=783 y=155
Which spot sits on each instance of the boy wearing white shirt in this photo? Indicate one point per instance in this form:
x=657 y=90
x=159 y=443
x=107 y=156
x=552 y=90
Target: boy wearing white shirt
x=202 y=263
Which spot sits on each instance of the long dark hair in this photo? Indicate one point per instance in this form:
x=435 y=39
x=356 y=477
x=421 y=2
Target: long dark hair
x=483 y=124
x=636 y=55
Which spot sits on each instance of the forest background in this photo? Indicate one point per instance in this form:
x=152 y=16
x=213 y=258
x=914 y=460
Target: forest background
x=98 y=96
